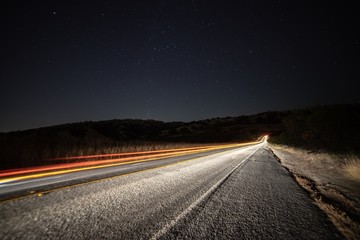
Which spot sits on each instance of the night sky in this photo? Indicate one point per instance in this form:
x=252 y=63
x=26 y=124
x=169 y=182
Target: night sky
x=72 y=61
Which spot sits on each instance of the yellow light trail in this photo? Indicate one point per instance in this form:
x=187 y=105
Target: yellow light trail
x=56 y=169
x=131 y=153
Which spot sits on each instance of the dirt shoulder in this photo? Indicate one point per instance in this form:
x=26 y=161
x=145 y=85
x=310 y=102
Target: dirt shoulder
x=326 y=177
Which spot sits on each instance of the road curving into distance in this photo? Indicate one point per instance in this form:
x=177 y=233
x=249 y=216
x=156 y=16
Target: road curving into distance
x=237 y=193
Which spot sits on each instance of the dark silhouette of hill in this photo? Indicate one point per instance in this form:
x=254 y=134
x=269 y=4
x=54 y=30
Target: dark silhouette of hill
x=334 y=127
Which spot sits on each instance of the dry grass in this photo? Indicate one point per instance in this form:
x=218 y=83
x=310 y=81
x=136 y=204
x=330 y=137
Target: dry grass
x=283 y=147
x=348 y=165
x=352 y=167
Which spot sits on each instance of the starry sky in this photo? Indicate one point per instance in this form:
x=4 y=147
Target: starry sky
x=175 y=60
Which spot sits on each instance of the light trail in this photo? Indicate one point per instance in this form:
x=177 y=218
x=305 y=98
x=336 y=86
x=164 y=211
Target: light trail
x=86 y=163
x=130 y=153
x=55 y=169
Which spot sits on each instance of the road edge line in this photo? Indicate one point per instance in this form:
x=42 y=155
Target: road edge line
x=208 y=193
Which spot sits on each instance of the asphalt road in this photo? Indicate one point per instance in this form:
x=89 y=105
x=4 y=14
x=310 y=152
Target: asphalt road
x=235 y=194
x=25 y=187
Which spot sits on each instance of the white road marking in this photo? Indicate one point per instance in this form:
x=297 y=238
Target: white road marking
x=7 y=184
x=173 y=222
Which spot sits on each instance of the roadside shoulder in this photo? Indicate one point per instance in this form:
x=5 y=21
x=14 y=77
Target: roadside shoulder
x=324 y=178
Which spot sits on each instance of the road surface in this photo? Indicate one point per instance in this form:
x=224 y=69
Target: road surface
x=241 y=193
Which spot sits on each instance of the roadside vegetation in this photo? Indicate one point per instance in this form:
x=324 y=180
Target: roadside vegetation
x=352 y=166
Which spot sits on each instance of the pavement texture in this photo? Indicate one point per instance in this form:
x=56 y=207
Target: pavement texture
x=236 y=194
